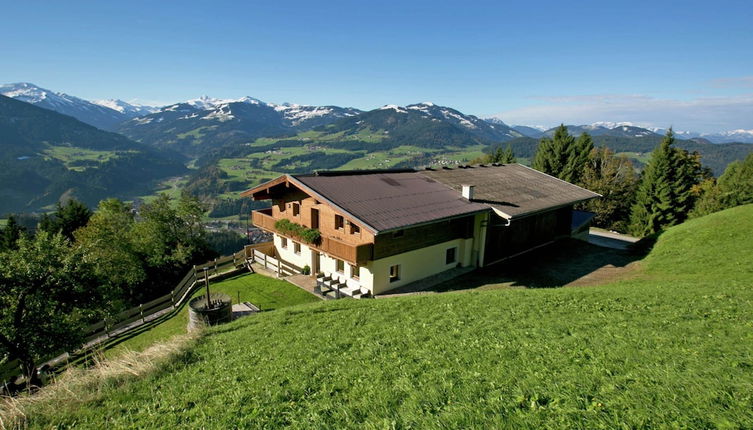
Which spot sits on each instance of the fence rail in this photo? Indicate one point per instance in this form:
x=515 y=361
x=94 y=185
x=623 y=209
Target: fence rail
x=123 y=323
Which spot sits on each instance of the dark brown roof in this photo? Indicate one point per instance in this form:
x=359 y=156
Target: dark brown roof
x=512 y=189
x=389 y=200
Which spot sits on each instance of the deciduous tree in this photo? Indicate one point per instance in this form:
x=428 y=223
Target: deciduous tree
x=615 y=179
x=47 y=295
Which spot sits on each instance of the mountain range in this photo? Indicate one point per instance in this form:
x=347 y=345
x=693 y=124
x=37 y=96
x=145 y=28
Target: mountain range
x=54 y=145
x=197 y=126
x=103 y=114
x=626 y=129
x=114 y=115
x=46 y=156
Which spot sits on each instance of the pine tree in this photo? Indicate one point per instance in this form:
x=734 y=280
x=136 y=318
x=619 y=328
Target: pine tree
x=668 y=188
x=507 y=156
x=563 y=156
x=10 y=234
x=552 y=153
x=498 y=155
x=66 y=219
x=577 y=158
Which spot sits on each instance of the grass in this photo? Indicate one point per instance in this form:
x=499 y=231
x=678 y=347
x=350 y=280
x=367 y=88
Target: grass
x=672 y=348
x=266 y=293
x=71 y=156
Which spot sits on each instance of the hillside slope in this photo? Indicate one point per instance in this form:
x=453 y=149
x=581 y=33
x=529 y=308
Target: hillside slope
x=671 y=349
x=45 y=155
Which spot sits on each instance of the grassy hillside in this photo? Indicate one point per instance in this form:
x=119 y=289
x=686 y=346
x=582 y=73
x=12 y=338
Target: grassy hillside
x=672 y=348
x=266 y=293
x=45 y=156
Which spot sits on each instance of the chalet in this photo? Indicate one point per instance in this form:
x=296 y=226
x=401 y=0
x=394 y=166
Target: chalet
x=369 y=232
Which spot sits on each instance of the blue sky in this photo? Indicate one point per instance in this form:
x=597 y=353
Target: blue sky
x=682 y=63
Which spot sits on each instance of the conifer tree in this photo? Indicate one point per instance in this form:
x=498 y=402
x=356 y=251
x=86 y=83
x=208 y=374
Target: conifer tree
x=551 y=155
x=507 y=156
x=563 y=156
x=668 y=188
x=577 y=158
x=10 y=234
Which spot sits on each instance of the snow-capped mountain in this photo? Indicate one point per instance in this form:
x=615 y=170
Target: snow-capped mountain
x=740 y=135
x=104 y=115
x=197 y=125
x=128 y=109
x=495 y=131
x=617 y=129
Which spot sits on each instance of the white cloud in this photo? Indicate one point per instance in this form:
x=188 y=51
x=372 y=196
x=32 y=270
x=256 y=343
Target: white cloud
x=706 y=114
x=736 y=82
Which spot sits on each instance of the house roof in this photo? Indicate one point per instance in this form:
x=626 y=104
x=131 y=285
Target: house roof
x=386 y=200
x=389 y=200
x=513 y=190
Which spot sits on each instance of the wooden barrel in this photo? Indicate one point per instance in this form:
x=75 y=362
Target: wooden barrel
x=219 y=311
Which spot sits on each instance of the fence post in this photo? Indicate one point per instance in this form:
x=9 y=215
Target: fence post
x=215 y=266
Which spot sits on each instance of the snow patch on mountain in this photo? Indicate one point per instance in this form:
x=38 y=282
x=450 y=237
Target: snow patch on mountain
x=396 y=108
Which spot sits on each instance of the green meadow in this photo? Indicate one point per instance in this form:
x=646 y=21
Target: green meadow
x=671 y=347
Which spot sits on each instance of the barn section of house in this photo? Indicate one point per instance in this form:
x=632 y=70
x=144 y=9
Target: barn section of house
x=384 y=229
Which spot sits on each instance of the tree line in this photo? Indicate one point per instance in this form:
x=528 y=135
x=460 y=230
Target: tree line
x=80 y=266
x=673 y=186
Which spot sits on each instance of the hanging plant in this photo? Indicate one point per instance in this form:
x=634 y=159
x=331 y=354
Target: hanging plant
x=289 y=228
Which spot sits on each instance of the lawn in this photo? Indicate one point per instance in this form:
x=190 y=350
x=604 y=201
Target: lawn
x=265 y=292
x=671 y=348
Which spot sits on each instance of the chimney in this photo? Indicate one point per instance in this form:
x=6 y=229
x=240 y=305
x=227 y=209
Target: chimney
x=468 y=191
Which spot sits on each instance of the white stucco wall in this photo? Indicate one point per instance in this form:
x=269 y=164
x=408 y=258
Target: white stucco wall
x=374 y=276
x=418 y=264
x=288 y=254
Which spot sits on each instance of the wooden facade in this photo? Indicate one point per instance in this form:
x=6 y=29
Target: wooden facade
x=346 y=239
x=503 y=240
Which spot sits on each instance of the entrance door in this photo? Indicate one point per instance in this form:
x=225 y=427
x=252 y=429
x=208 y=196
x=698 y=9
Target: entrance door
x=314 y=218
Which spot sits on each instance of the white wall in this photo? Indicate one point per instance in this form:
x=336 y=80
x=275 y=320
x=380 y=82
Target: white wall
x=418 y=264
x=374 y=277
x=301 y=260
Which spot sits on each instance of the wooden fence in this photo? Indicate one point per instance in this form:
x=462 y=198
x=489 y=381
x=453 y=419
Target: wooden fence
x=122 y=324
x=281 y=267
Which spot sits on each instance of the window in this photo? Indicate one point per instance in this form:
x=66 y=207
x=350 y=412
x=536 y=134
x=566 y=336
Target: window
x=355 y=271
x=296 y=209
x=450 y=256
x=354 y=229
x=284 y=242
x=395 y=273
x=339 y=266
x=339 y=222
x=296 y=247
x=399 y=233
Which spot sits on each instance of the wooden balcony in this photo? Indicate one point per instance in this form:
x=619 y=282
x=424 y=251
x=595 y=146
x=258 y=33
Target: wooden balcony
x=354 y=254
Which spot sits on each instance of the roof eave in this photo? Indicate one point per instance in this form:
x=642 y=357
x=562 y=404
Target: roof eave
x=419 y=224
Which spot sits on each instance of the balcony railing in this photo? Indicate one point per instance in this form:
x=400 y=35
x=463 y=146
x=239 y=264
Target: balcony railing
x=356 y=254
